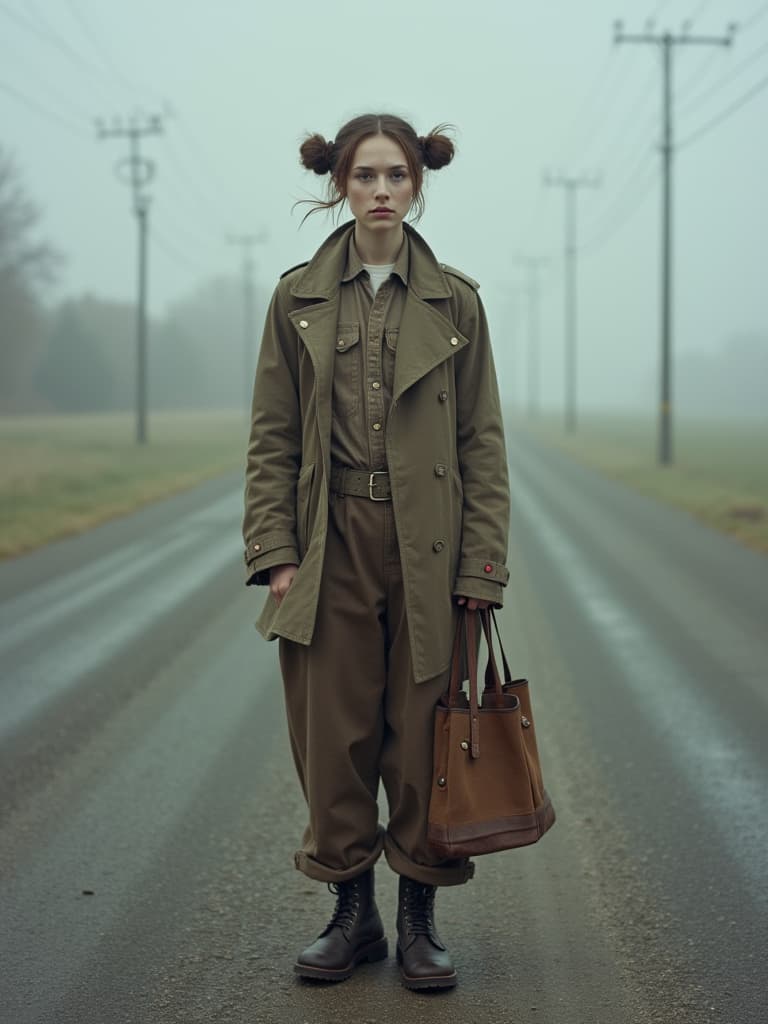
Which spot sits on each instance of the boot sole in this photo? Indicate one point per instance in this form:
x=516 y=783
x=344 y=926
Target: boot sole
x=371 y=953
x=435 y=981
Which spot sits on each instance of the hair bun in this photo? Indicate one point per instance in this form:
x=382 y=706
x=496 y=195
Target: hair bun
x=437 y=148
x=317 y=155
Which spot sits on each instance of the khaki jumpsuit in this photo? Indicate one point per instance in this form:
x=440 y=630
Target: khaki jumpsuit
x=355 y=714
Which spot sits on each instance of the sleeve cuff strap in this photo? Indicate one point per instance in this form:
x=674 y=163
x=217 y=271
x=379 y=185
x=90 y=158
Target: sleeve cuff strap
x=257 y=569
x=259 y=545
x=484 y=570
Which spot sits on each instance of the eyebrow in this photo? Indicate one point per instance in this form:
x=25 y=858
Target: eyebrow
x=394 y=167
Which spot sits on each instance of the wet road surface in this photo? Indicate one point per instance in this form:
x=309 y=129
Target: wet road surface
x=149 y=809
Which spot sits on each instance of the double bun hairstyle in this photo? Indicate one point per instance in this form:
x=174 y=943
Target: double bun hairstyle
x=429 y=152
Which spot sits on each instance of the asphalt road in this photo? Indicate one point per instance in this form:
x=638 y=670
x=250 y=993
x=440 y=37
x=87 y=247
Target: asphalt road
x=149 y=809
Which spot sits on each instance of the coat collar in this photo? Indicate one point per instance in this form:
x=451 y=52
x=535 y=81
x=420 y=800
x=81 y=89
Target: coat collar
x=321 y=277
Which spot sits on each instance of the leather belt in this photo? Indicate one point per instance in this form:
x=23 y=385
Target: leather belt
x=360 y=483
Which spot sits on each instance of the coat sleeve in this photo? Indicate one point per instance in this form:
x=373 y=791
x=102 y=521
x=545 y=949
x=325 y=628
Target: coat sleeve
x=482 y=572
x=274 y=450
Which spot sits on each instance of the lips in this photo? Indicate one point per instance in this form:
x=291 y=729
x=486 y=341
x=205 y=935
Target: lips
x=382 y=209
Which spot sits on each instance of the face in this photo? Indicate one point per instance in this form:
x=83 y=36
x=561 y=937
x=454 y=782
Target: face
x=380 y=186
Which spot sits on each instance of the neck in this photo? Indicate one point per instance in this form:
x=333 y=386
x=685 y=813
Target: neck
x=376 y=247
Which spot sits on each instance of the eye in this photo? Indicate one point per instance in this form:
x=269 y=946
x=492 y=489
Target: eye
x=363 y=176
x=399 y=175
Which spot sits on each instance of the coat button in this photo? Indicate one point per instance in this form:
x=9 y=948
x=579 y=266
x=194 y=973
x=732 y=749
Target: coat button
x=440 y=469
x=376 y=385
x=257 y=547
x=303 y=323
x=340 y=343
x=438 y=546
x=454 y=341
x=377 y=426
x=488 y=567
x=443 y=396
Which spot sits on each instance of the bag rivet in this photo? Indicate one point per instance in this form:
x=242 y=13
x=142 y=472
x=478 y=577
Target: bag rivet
x=525 y=721
x=464 y=745
x=441 y=782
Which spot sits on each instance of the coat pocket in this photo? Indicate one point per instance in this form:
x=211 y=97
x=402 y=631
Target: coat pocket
x=303 y=506
x=347 y=370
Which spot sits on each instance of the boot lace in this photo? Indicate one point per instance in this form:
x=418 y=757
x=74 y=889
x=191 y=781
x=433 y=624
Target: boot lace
x=347 y=905
x=419 y=909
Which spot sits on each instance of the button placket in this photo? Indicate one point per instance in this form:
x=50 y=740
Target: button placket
x=373 y=362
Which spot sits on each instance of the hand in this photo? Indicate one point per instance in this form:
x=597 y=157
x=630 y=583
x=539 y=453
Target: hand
x=473 y=603
x=280 y=579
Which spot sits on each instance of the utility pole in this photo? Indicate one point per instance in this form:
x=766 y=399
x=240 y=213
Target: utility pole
x=667 y=41
x=532 y=266
x=246 y=244
x=571 y=186
x=138 y=172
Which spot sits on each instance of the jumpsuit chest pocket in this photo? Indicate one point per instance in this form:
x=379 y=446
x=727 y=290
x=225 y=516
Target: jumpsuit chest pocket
x=347 y=370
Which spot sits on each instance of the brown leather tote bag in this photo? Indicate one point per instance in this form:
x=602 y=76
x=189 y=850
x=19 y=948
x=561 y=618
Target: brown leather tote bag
x=487 y=791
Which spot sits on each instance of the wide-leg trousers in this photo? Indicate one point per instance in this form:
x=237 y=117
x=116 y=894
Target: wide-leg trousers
x=355 y=715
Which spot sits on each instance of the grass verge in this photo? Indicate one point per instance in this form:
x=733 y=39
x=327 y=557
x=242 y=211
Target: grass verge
x=64 y=474
x=719 y=473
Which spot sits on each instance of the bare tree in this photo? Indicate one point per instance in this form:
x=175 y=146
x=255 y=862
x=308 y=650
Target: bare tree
x=27 y=264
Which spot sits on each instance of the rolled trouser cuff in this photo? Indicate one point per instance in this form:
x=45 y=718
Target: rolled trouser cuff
x=450 y=872
x=313 y=868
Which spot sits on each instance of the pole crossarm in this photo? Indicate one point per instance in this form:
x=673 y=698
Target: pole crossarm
x=134 y=129
x=672 y=39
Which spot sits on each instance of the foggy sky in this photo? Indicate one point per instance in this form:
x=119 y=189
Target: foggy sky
x=530 y=87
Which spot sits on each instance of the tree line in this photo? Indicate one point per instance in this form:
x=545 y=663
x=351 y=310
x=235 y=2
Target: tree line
x=78 y=354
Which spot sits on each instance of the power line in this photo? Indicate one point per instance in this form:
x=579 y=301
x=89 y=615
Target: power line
x=697 y=13
x=41 y=111
x=697 y=100
x=754 y=18
x=598 y=241
x=724 y=114
x=96 y=40
x=174 y=253
x=48 y=36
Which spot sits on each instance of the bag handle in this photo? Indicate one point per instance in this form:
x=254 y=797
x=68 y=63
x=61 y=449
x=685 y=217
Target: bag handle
x=470 y=621
x=465 y=639
x=492 y=680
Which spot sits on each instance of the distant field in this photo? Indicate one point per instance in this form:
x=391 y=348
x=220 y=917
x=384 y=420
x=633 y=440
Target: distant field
x=64 y=474
x=719 y=473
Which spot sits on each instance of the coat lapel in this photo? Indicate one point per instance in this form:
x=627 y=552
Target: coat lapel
x=427 y=337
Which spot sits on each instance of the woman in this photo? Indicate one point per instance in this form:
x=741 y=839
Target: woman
x=376 y=501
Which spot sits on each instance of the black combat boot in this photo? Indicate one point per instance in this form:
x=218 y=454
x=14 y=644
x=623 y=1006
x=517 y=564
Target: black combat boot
x=424 y=961
x=354 y=933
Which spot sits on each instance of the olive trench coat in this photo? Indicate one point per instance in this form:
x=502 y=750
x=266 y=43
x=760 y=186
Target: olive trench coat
x=444 y=443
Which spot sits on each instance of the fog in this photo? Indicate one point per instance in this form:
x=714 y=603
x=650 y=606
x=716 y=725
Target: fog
x=531 y=89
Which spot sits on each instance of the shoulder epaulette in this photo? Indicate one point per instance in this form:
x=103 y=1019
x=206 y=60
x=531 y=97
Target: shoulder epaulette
x=464 y=277
x=291 y=269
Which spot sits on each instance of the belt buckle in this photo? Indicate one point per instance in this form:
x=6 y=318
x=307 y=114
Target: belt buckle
x=371 y=495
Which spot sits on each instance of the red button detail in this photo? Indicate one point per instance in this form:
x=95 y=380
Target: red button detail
x=489 y=568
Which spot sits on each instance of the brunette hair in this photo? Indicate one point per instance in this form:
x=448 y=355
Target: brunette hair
x=430 y=151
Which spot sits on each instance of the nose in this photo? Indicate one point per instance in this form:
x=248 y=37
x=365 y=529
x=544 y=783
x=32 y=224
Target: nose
x=382 y=187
